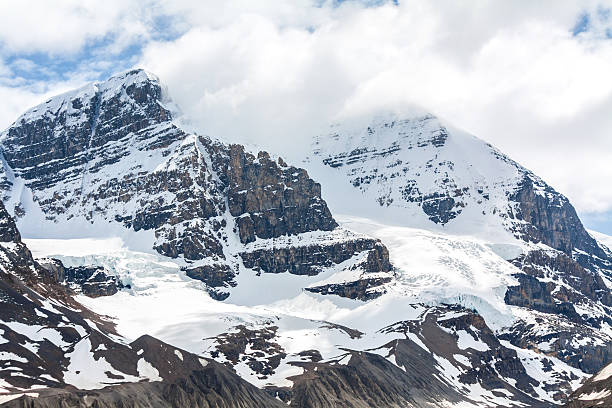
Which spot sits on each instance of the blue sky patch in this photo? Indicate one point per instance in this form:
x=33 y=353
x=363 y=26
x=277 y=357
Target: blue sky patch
x=598 y=23
x=97 y=60
x=600 y=222
x=582 y=25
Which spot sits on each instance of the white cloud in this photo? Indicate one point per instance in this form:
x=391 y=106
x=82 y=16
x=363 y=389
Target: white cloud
x=57 y=27
x=275 y=72
x=16 y=99
x=512 y=73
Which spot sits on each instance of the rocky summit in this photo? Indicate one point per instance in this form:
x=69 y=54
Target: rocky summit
x=400 y=263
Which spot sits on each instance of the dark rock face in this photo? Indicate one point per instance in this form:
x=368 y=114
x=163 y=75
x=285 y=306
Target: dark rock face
x=109 y=152
x=368 y=256
x=311 y=259
x=16 y=257
x=363 y=289
x=441 y=209
x=581 y=286
x=215 y=276
x=271 y=200
x=369 y=285
x=576 y=303
x=533 y=294
x=92 y=281
x=8 y=228
x=551 y=219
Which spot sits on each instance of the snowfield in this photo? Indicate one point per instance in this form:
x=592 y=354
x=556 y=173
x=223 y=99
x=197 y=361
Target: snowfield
x=431 y=268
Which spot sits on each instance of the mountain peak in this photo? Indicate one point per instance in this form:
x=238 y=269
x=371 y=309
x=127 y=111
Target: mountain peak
x=69 y=128
x=434 y=176
x=73 y=102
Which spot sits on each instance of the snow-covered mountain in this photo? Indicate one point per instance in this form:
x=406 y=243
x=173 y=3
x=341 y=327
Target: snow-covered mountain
x=416 y=171
x=445 y=273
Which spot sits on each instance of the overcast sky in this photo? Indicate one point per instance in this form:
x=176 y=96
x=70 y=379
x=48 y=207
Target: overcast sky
x=533 y=78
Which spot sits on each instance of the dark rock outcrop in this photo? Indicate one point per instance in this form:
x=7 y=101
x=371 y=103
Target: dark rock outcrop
x=92 y=281
x=311 y=259
x=537 y=295
x=550 y=218
x=270 y=199
x=554 y=282
x=264 y=354
x=579 y=345
x=362 y=289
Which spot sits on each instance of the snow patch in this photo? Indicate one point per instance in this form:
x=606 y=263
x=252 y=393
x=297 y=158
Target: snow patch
x=604 y=374
x=146 y=370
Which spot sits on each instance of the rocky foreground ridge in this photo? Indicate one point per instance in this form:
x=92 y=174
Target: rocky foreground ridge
x=596 y=392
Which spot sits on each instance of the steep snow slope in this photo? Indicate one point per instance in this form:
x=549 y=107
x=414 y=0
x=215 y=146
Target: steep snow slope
x=421 y=173
x=603 y=238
